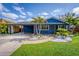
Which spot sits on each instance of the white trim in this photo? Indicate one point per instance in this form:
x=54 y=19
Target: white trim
x=58 y=26
x=31 y=23
x=43 y=28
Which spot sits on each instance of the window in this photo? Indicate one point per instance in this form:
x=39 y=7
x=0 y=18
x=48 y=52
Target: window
x=44 y=27
x=61 y=26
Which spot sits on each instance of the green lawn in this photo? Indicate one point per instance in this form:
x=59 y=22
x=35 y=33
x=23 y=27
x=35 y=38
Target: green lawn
x=50 y=49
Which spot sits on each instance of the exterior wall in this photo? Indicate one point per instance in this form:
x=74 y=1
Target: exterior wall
x=35 y=29
x=46 y=32
x=16 y=29
x=51 y=30
x=28 y=28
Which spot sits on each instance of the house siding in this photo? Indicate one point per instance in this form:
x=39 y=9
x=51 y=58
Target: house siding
x=28 y=29
x=47 y=32
x=53 y=26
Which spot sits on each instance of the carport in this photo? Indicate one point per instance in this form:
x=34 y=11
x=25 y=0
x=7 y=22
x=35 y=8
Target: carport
x=28 y=29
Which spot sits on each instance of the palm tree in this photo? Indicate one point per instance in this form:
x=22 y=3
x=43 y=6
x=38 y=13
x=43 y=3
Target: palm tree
x=38 y=20
x=71 y=19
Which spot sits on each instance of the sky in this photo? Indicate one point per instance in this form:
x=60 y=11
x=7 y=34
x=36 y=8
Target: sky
x=21 y=12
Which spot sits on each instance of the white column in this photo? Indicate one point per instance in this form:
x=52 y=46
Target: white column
x=39 y=28
x=54 y=28
x=12 y=29
x=66 y=27
x=34 y=29
x=8 y=28
x=58 y=26
x=21 y=28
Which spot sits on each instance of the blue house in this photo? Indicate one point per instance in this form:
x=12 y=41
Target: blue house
x=49 y=27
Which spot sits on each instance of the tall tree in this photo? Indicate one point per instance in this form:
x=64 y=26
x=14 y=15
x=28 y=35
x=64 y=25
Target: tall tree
x=38 y=20
x=71 y=19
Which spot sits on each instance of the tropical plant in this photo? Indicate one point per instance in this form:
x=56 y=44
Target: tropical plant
x=3 y=28
x=62 y=32
x=38 y=20
x=71 y=19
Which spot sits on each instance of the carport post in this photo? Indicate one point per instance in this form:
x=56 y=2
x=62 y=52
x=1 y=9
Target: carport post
x=21 y=28
x=34 y=29
x=9 y=29
x=37 y=29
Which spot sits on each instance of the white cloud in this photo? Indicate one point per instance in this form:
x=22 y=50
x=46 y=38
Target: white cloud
x=20 y=9
x=3 y=8
x=22 y=16
x=44 y=14
x=29 y=19
x=10 y=20
x=57 y=11
x=10 y=15
x=75 y=10
x=21 y=20
x=29 y=13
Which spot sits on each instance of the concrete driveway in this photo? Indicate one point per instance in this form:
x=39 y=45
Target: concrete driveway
x=7 y=48
x=9 y=43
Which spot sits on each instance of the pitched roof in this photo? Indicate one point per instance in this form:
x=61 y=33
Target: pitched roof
x=6 y=21
x=54 y=20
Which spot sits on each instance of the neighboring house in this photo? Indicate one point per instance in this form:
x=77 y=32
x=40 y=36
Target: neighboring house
x=49 y=27
x=16 y=28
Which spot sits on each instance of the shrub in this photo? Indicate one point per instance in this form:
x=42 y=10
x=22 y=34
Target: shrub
x=62 y=31
x=3 y=28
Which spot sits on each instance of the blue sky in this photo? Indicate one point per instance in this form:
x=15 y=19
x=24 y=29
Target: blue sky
x=25 y=11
